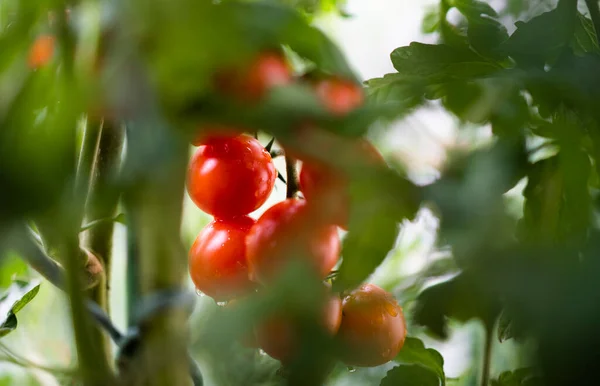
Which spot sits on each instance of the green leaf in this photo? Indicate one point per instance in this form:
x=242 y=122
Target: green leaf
x=486 y=35
x=279 y=23
x=414 y=353
x=396 y=92
x=543 y=38
x=13 y=300
x=381 y=199
x=584 y=39
x=431 y=20
x=474 y=9
x=410 y=376
x=461 y=298
x=520 y=377
x=505 y=327
x=557 y=200
x=365 y=246
x=440 y=63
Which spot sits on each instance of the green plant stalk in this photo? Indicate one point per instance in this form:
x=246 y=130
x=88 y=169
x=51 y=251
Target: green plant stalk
x=487 y=355
x=93 y=364
x=133 y=282
x=594 y=9
x=154 y=210
x=102 y=203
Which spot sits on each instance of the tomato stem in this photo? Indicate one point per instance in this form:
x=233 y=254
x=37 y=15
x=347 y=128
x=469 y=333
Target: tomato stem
x=487 y=356
x=291 y=176
x=102 y=203
x=594 y=9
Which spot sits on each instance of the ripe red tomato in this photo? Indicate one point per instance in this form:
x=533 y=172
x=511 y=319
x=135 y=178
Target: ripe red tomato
x=339 y=96
x=267 y=70
x=279 y=335
x=373 y=327
x=320 y=182
x=230 y=176
x=217 y=259
x=41 y=51
x=286 y=227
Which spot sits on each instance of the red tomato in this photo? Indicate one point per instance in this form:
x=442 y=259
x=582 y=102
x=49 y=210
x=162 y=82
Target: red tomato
x=217 y=259
x=373 y=327
x=290 y=226
x=329 y=185
x=41 y=51
x=230 y=176
x=279 y=335
x=267 y=70
x=338 y=95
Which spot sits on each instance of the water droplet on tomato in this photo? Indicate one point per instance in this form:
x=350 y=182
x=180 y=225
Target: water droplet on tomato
x=221 y=304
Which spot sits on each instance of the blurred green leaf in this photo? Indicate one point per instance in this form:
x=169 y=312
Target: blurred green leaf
x=486 y=35
x=520 y=377
x=414 y=353
x=505 y=327
x=13 y=300
x=380 y=200
x=461 y=298
x=367 y=243
x=557 y=200
x=584 y=39
x=11 y=266
x=431 y=20
x=396 y=92
x=410 y=376
x=473 y=8
x=541 y=39
x=440 y=63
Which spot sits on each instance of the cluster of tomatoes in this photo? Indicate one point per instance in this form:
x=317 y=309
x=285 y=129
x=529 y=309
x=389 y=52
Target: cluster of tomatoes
x=231 y=175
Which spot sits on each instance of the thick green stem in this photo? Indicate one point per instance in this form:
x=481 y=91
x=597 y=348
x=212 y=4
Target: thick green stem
x=487 y=356
x=102 y=203
x=154 y=210
x=594 y=9
x=93 y=364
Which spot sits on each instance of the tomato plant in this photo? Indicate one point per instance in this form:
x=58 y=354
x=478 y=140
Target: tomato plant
x=465 y=182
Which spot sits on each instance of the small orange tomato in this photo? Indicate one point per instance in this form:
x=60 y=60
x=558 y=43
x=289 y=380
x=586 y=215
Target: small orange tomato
x=269 y=69
x=279 y=335
x=373 y=327
x=338 y=95
x=41 y=51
